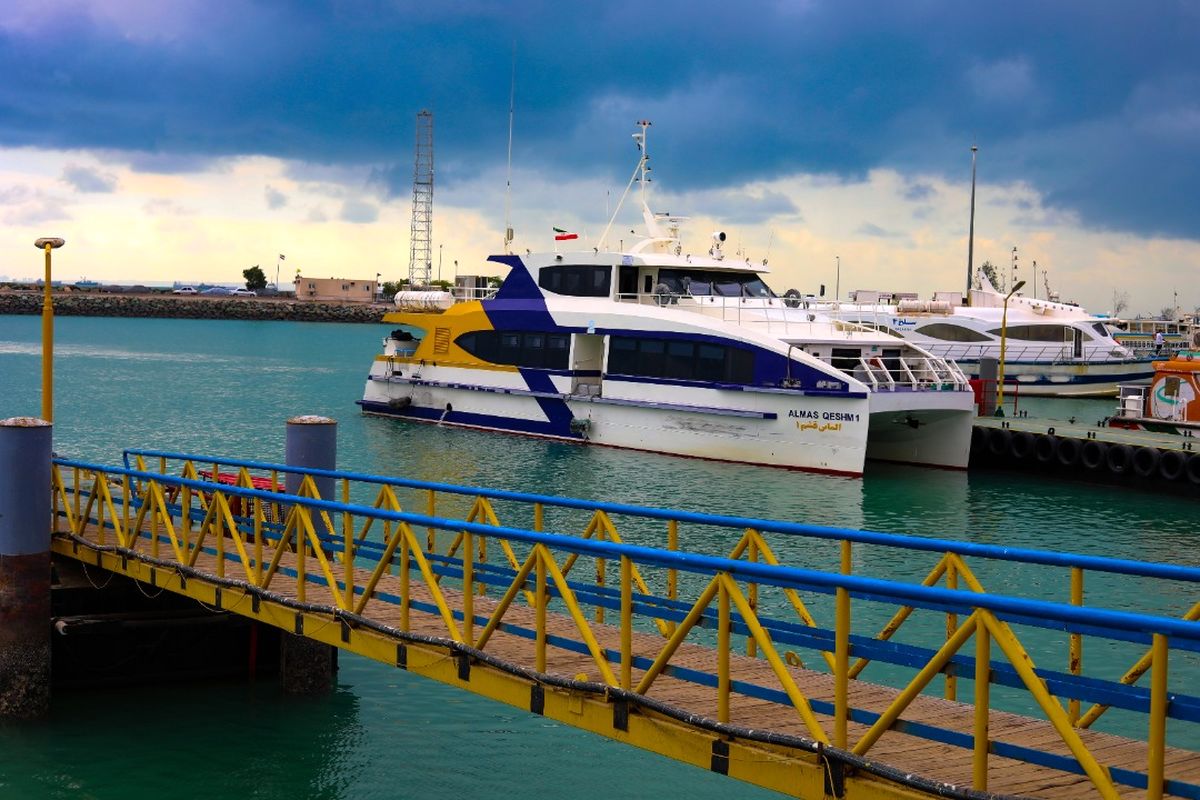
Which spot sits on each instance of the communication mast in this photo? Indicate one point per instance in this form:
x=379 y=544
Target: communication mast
x=420 y=254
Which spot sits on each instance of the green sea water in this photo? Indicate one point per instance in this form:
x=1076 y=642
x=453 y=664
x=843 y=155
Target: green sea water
x=227 y=387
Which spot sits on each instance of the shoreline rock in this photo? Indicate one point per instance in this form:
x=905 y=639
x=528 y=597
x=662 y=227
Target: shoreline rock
x=170 y=307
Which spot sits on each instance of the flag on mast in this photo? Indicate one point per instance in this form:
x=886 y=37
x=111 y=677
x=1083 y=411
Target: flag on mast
x=282 y=257
x=561 y=235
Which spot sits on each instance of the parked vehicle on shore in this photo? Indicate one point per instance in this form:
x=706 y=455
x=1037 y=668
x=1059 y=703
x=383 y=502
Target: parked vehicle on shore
x=239 y=292
x=185 y=290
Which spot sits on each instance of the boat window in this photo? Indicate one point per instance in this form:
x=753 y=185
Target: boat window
x=953 y=333
x=679 y=360
x=700 y=288
x=845 y=358
x=727 y=289
x=1099 y=328
x=517 y=348
x=1042 y=333
x=583 y=280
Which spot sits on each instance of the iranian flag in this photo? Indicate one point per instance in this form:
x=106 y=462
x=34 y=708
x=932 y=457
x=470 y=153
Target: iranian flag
x=561 y=235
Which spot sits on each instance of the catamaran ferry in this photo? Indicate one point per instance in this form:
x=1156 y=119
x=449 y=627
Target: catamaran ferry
x=654 y=349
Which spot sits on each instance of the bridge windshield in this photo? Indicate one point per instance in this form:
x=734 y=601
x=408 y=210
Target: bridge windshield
x=704 y=282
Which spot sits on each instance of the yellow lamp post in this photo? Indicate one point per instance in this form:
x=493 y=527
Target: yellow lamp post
x=48 y=244
x=1003 y=343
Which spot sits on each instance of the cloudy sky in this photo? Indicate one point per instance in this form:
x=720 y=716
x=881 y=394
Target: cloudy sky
x=186 y=139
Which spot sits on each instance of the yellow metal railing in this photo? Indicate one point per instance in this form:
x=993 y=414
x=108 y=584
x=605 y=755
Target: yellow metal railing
x=250 y=532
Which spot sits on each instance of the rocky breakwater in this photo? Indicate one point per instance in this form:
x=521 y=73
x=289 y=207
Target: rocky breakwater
x=248 y=308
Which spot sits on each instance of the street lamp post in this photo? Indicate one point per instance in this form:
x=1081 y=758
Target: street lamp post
x=837 y=285
x=1003 y=343
x=48 y=244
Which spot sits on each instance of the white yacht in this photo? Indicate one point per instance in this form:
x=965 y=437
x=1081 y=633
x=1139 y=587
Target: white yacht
x=1051 y=348
x=660 y=350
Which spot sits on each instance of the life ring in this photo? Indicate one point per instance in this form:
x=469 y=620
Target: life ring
x=1045 y=449
x=998 y=442
x=1170 y=464
x=1145 y=461
x=1192 y=468
x=1118 y=458
x=1021 y=445
x=1092 y=454
x=1068 y=451
x=791 y=298
x=1196 y=339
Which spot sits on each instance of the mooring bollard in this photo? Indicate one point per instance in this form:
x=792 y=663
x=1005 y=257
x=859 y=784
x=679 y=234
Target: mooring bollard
x=311 y=442
x=25 y=453
x=307 y=666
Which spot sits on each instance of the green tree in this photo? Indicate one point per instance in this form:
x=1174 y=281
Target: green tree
x=443 y=285
x=256 y=281
x=988 y=270
x=390 y=288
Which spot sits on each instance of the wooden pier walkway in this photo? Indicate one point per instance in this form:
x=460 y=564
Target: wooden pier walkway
x=395 y=616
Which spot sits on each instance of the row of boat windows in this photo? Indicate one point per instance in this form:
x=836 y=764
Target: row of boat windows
x=585 y=280
x=649 y=358
x=589 y=280
x=679 y=360
x=702 y=283
x=1029 y=333
x=518 y=349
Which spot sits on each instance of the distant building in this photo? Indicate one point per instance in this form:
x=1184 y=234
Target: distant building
x=338 y=289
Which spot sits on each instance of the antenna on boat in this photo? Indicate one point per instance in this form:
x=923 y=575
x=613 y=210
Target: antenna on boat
x=512 y=97
x=971 y=234
x=639 y=174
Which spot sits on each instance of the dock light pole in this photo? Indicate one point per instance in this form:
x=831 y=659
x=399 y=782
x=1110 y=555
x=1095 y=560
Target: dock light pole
x=47 y=244
x=1003 y=342
x=837 y=284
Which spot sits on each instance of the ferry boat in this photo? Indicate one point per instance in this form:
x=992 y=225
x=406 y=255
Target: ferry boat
x=656 y=349
x=1052 y=349
x=1138 y=335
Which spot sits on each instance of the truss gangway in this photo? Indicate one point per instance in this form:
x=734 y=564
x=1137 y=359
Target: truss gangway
x=768 y=651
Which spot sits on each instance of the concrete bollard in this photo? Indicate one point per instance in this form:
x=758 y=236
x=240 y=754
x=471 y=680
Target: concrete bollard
x=307 y=666
x=25 y=453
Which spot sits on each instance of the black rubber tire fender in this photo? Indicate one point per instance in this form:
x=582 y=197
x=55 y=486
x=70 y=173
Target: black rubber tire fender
x=1068 y=452
x=1045 y=449
x=1021 y=446
x=1145 y=461
x=1092 y=454
x=998 y=442
x=1119 y=458
x=1192 y=468
x=1171 y=464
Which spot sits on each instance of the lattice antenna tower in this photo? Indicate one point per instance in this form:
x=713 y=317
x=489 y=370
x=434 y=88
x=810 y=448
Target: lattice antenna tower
x=420 y=254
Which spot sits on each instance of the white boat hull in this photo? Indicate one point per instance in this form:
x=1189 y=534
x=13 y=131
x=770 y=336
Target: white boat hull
x=820 y=434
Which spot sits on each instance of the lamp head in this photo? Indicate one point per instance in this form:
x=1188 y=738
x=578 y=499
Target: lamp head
x=53 y=242
x=1017 y=288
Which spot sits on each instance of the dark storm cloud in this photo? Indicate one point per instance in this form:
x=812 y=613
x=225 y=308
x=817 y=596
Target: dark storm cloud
x=1092 y=103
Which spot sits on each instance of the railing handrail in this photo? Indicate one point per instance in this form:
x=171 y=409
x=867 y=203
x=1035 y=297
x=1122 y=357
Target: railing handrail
x=1040 y=613
x=901 y=541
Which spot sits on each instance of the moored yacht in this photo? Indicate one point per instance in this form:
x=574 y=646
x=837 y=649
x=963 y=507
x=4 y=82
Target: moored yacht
x=1051 y=348
x=654 y=349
